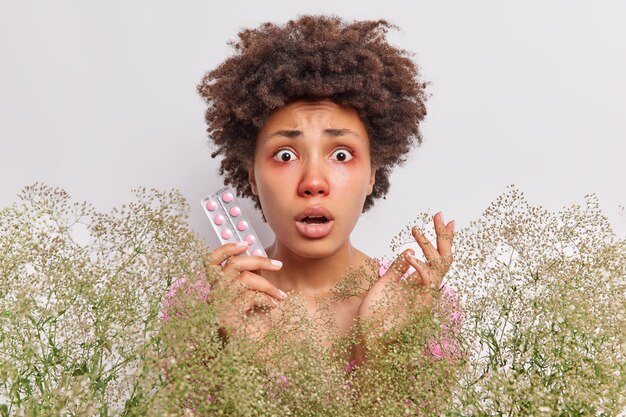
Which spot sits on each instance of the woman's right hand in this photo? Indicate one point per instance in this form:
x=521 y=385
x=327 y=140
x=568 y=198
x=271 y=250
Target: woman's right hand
x=240 y=274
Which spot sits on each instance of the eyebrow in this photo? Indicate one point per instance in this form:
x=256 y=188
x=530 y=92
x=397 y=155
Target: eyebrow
x=294 y=133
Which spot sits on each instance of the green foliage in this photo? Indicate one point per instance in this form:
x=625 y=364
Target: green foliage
x=544 y=298
x=80 y=299
x=91 y=323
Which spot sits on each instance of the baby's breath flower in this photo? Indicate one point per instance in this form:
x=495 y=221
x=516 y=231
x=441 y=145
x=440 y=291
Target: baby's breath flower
x=123 y=322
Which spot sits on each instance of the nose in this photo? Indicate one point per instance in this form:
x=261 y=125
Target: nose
x=314 y=181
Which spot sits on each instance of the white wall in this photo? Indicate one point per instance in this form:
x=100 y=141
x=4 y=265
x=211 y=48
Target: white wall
x=99 y=98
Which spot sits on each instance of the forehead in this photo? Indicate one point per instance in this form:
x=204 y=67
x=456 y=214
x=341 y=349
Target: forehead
x=313 y=115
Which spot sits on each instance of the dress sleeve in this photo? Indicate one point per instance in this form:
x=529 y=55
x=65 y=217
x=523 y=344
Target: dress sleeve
x=199 y=288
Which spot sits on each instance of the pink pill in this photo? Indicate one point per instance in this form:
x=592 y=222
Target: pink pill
x=226 y=234
x=235 y=211
x=218 y=220
x=211 y=205
x=250 y=239
x=227 y=197
x=257 y=252
x=242 y=225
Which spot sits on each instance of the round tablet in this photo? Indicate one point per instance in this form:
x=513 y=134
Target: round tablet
x=227 y=197
x=257 y=252
x=226 y=234
x=211 y=205
x=235 y=211
x=218 y=220
x=250 y=239
x=242 y=225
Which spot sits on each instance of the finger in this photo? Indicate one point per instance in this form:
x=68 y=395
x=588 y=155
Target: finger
x=445 y=234
x=224 y=252
x=399 y=266
x=256 y=282
x=430 y=253
x=238 y=264
x=426 y=277
x=450 y=227
x=420 y=276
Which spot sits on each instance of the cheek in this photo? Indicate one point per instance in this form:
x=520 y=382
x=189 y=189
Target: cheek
x=351 y=188
x=271 y=186
x=271 y=180
x=353 y=180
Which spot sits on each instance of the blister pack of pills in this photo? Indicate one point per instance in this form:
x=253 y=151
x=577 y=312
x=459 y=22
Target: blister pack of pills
x=229 y=222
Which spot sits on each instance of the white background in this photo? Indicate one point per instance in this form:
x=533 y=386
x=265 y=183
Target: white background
x=99 y=98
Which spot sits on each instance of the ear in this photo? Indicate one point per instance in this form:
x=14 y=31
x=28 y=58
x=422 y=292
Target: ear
x=252 y=180
x=370 y=185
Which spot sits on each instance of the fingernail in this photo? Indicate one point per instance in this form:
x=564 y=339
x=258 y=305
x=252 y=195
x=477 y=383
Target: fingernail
x=276 y=262
x=242 y=243
x=441 y=216
x=274 y=301
x=453 y=225
x=282 y=293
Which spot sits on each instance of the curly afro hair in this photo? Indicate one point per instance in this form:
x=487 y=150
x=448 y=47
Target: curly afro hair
x=314 y=58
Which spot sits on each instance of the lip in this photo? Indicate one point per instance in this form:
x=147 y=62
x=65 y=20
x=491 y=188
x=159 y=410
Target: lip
x=314 y=211
x=314 y=231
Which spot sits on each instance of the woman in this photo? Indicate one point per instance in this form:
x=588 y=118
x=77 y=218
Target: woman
x=310 y=118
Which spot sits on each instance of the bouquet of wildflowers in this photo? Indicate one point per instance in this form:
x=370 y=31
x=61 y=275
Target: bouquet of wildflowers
x=114 y=314
x=544 y=297
x=80 y=298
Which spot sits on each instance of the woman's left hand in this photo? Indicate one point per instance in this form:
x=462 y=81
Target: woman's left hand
x=438 y=260
x=427 y=275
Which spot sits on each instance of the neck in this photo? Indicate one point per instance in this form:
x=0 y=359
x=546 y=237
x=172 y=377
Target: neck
x=312 y=276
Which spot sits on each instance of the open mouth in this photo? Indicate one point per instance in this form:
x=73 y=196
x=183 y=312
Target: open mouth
x=314 y=220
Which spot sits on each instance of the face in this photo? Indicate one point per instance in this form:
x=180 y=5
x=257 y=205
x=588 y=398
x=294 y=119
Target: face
x=312 y=172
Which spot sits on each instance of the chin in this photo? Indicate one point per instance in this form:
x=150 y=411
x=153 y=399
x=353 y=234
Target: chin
x=321 y=248
x=313 y=254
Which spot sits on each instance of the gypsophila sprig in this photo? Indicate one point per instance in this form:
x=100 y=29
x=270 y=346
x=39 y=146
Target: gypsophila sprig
x=544 y=303
x=80 y=299
x=115 y=314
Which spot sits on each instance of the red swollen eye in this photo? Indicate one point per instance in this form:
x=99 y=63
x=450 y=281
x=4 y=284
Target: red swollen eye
x=285 y=155
x=342 y=155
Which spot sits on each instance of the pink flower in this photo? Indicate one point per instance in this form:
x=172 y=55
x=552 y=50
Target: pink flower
x=199 y=287
x=277 y=383
x=279 y=379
